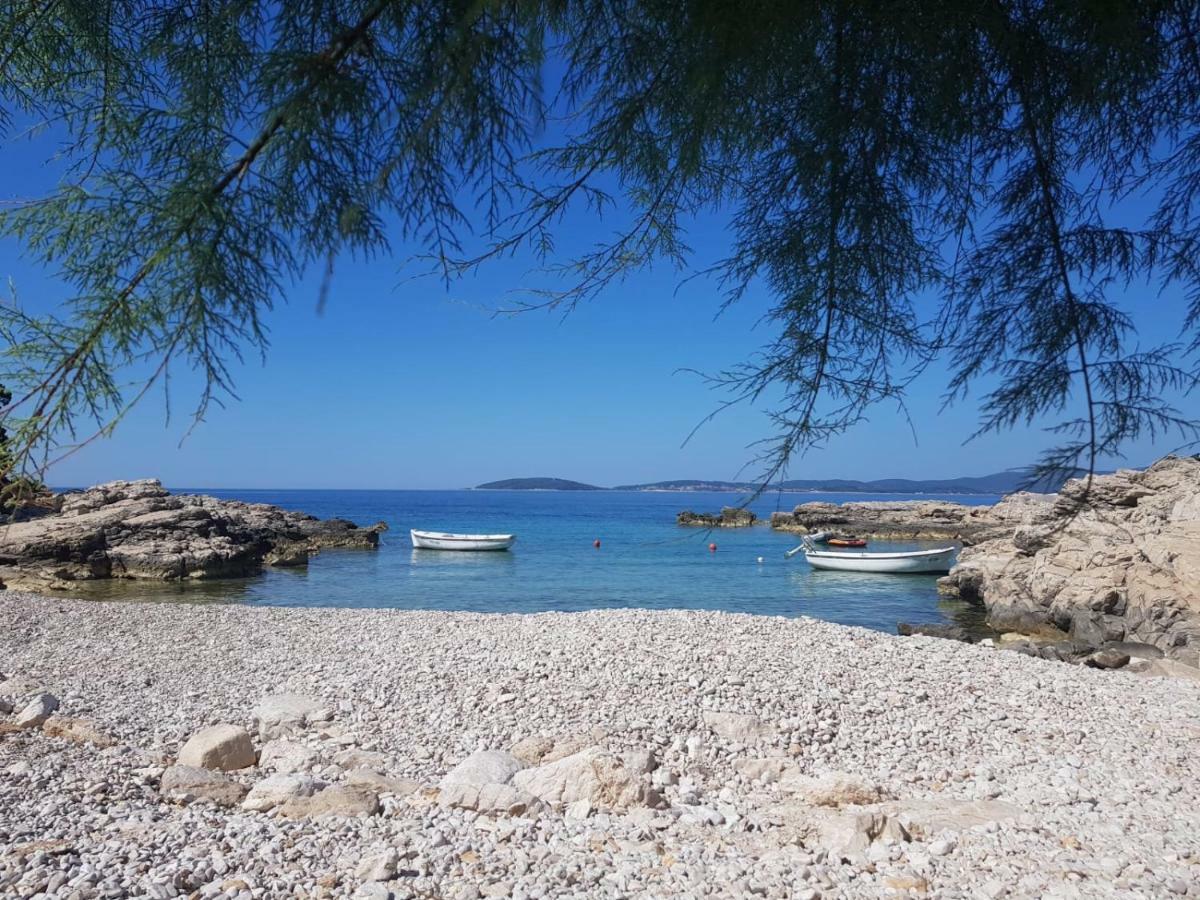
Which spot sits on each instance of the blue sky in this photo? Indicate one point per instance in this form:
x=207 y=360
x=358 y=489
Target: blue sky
x=406 y=383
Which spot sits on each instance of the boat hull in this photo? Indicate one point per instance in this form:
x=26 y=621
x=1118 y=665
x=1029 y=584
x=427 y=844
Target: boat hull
x=438 y=540
x=930 y=561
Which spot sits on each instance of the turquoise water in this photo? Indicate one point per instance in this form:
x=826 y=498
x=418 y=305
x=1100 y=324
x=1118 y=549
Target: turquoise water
x=645 y=560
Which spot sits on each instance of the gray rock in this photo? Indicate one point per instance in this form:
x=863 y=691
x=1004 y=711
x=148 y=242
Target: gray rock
x=34 y=713
x=1108 y=659
x=483 y=767
x=379 y=867
x=186 y=784
x=276 y=790
x=137 y=529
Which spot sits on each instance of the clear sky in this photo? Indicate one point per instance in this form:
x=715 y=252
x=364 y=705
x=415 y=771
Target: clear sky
x=410 y=384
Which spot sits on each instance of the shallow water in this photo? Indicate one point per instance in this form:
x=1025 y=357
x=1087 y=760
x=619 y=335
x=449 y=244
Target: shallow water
x=645 y=560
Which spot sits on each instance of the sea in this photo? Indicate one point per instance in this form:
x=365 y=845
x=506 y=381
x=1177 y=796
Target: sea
x=644 y=560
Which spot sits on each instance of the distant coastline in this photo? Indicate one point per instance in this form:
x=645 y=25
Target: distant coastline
x=997 y=483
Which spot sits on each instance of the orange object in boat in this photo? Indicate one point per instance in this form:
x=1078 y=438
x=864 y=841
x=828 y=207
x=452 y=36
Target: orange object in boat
x=846 y=542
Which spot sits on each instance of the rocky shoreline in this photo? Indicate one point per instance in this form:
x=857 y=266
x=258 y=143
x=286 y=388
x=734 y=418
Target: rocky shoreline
x=139 y=530
x=173 y=750
x=729 y=517
x=910 y=520
x=1107 y=566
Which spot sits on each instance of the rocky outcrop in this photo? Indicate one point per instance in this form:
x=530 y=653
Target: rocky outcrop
x=730 y=517
x=912 y=519
x=1116 y=560
x=138 y=529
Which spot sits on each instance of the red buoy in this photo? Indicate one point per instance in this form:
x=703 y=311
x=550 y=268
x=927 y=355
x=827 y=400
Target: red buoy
x=712 y=548
x=596 y=543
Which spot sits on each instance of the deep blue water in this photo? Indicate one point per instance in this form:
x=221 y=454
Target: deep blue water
x=645 y=559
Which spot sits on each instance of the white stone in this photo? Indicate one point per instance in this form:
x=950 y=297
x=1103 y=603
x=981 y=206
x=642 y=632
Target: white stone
x=484 y=767
x=36 y=711
x=276 y=790
x=225 y=747
x=285 y=757
x=592 y=774
x=379 y=867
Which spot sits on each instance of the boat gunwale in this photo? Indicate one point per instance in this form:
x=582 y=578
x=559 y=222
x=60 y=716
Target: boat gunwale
x=899 y=554
x=453 y=536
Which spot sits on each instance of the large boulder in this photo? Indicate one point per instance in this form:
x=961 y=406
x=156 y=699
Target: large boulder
x=480 y=783
x=224 y=747
x=592 y=775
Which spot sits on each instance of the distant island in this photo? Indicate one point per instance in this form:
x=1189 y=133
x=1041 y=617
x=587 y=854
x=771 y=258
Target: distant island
x=537 y=484
x=998 y=483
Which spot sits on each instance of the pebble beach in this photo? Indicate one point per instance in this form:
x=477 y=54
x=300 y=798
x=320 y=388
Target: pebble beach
x=597 y=754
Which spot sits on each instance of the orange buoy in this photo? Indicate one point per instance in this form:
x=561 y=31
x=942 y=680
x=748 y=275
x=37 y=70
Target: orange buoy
x=596 y=543
x=712 y=548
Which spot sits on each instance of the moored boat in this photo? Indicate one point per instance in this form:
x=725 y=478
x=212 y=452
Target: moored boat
x=845 y=542
x=904 y=561
x=440 y=540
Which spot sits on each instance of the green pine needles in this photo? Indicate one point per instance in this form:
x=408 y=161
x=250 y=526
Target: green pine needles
x=906 y=181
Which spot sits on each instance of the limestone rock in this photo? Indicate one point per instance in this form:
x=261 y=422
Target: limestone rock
x=531 y=750
x=224 y=747
x=286 y=757
x=336 y=800
x=137 y=529
x=729 y=517
x=836 y=789
x=276 y=790
x=283 y=715
x=910 y=519
x=382 y=784
x=1115 y=560
x=81 y=731
x=34 y=713
x=184 y=784
x=738 y=727
x=593 y=775
x=483 y=767
x=379 y=867
x=488 y=798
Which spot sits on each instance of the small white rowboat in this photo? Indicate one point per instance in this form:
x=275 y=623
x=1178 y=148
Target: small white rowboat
x=939 y=560
x=437 y=540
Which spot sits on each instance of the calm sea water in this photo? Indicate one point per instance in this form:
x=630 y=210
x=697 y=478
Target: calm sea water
x=645 y=560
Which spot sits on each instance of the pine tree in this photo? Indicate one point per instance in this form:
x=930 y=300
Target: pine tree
x=905 y=180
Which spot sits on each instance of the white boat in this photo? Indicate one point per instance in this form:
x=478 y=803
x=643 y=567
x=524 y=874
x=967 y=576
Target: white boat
x=440 y=540
x=939 y=560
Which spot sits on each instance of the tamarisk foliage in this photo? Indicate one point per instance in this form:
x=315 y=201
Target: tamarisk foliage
x=903 y=181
